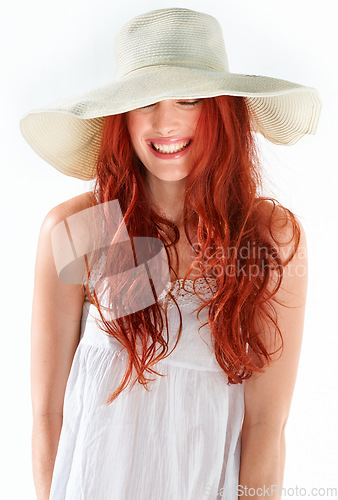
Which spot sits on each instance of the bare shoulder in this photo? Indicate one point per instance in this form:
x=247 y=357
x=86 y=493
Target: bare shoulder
x=277 y=381
x=53 y=254
x=281 y=228
x=67 y=208
x=65 y=233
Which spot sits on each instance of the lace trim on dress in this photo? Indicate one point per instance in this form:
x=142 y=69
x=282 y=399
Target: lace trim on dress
x=204 y=287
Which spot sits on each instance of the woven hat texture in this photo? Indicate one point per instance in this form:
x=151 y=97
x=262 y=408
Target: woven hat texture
x=166 y=54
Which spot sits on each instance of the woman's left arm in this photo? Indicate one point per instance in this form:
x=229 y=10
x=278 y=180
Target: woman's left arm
x=268 y=395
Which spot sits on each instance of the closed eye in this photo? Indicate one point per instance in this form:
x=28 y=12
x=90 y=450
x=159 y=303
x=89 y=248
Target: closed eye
x=189 y=103
x=183 y=103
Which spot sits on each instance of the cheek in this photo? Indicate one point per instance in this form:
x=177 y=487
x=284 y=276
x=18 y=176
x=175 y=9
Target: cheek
x=196 y=118
x=131 y=126
x=134 y=129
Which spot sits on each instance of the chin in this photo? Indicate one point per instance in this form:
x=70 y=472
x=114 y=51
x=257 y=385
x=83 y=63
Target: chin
x=171 y=177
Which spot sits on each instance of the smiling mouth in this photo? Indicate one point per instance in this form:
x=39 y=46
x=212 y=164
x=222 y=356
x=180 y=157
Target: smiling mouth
x=170 y=148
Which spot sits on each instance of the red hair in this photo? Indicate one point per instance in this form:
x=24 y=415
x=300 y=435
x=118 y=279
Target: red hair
x=224 y=207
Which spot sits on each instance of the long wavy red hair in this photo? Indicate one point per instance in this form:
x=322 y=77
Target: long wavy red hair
x=222 y=205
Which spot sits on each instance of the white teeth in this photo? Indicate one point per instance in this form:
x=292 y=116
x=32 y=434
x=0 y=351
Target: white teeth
x=175 y=148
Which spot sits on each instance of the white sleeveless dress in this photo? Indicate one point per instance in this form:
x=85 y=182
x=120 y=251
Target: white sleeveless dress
x=179 y=441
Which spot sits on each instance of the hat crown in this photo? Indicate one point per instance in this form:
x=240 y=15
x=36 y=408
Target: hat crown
x=171 y=37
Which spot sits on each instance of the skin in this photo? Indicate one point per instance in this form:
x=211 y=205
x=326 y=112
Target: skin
x=57 y=311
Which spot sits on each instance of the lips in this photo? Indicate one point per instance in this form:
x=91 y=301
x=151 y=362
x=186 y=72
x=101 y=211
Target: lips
x=170 y=148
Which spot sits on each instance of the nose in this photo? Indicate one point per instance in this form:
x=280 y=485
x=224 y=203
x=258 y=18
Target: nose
x=165 y=118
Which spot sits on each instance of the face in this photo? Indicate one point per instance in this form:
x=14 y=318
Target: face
x=162 y=136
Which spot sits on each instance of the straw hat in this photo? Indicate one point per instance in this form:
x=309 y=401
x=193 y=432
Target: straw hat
x=166 y=54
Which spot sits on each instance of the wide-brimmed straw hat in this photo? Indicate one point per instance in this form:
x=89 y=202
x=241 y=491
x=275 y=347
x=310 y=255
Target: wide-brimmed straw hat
x=166 y=54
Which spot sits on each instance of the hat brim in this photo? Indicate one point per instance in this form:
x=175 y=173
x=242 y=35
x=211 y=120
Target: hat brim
x=67 y=134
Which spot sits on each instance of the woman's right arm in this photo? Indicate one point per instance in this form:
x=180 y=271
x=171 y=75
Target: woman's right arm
x=55 y=335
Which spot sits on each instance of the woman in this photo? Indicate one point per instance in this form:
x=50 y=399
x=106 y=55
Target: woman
x=171 y=147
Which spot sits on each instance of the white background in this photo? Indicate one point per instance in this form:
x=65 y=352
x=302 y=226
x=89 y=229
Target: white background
x=52 y=50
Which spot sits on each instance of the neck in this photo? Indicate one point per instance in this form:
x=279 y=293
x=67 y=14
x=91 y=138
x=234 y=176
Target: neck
x=167 y=196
